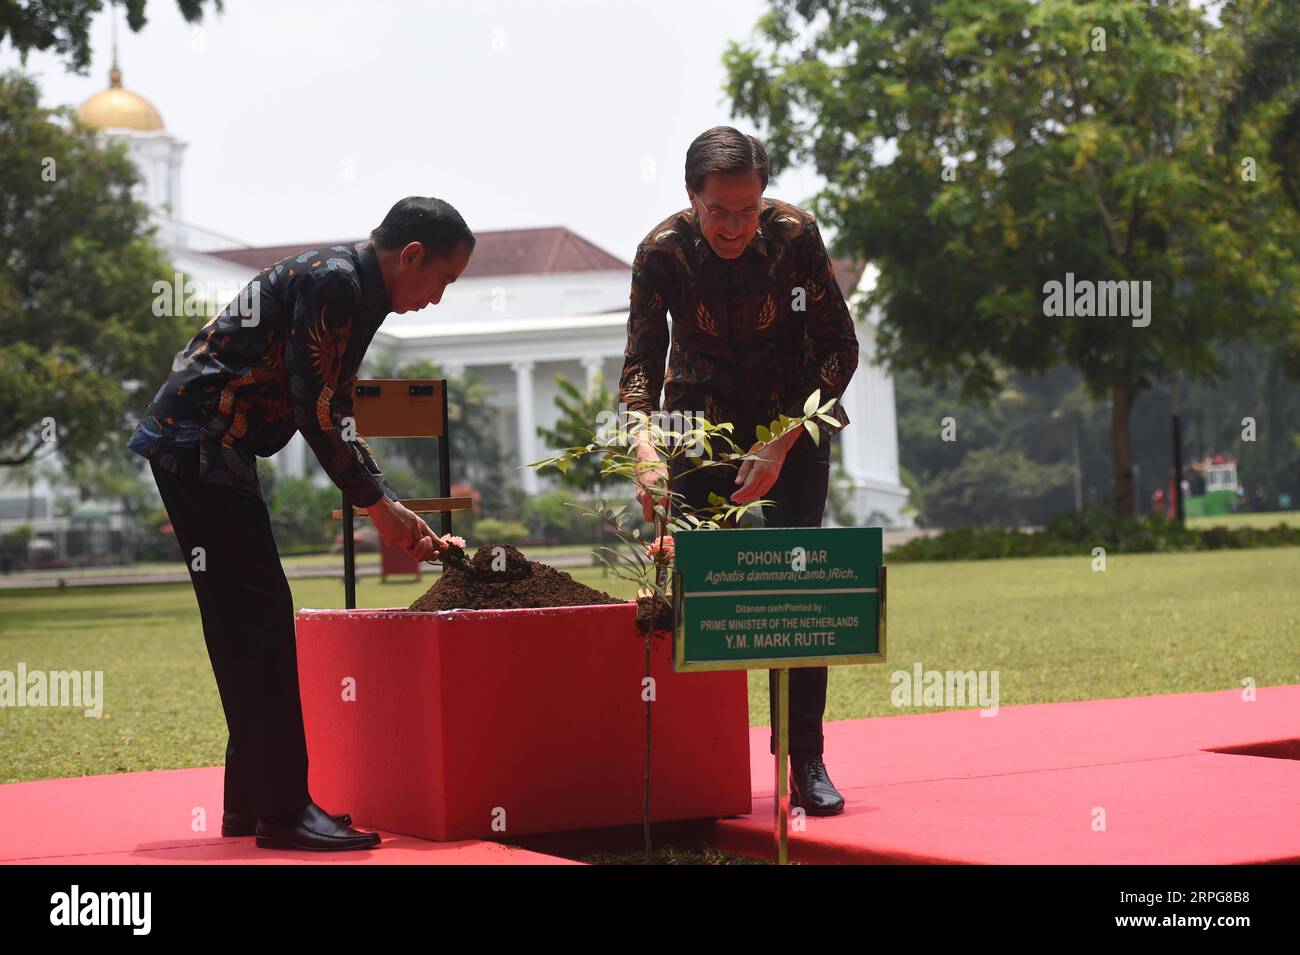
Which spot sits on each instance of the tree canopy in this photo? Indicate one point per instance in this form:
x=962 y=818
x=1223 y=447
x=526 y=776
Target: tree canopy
x=81 y=350
x=978 y=150
x=64 y=25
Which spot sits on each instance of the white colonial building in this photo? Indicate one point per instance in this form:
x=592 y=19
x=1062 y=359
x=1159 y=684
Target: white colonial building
x=533 y=304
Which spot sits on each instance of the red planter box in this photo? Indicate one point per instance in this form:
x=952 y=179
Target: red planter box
x=529 y=718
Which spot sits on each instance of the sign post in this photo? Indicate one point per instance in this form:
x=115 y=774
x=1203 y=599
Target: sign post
x=773 y=598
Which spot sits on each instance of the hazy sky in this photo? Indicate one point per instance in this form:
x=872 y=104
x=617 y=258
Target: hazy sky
x=307 y=120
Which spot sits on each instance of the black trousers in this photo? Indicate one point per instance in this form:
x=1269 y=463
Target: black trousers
x=248 y=626
x=799 y=497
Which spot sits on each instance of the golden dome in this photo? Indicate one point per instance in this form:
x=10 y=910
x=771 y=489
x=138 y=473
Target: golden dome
x=118 y=108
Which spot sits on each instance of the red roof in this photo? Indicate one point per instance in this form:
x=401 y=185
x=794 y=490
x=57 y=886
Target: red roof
x=508 y=252
x=540 y=251
x=847 y=274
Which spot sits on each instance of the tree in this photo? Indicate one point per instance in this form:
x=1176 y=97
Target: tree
x=80 y=346
x=1266 y=447
x=476 y=456
x=1005 y=463
x=648 y=563
x=550 y=515
x=579 y=414
x=64 y=25
x=978 y=151
x=300 y=513
x=1270 y=74
x=1252 y=415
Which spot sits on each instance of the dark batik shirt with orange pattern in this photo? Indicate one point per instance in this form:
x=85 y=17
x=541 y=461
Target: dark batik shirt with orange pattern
x=282 y=357
x=740 y=348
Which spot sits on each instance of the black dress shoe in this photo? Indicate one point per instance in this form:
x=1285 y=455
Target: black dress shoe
x=245 y=823
x=812 y=789
x=311 y=828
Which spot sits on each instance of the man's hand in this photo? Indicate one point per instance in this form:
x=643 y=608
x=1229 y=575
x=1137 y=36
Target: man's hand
x=399 y=525
x=651 y=482
x=757 y=475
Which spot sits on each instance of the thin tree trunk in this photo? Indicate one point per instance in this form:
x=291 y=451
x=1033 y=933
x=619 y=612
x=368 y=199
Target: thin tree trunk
x=645 y=795
x=1121 y=450
x=661 y=581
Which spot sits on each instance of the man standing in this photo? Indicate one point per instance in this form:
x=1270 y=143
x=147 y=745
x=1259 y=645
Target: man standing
x=759 y=324
x=283 y=357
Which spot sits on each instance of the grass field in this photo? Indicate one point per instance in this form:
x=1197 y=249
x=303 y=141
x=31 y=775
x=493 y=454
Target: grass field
x=1289 y=518
x=364 y=560
x=1054 y=629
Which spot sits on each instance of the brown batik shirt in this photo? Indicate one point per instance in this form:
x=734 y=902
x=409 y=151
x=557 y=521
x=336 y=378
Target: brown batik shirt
x=741 y=349
x=249 y=379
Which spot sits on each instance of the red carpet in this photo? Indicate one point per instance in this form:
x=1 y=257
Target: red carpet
x=1022 y=786
x=955 y=787
x=146 y=818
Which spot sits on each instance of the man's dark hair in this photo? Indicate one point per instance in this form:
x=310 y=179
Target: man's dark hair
x=723 y=149
x=431 y=222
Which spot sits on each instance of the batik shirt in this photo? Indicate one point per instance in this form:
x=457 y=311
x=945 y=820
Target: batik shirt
x=282 y=357
x=751 y=337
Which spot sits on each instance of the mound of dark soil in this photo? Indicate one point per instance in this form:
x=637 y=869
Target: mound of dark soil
x=523 y=583
x=653 y=613
x=517 y=565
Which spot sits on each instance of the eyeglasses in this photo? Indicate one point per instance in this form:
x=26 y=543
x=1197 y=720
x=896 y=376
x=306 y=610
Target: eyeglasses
x=721 y=215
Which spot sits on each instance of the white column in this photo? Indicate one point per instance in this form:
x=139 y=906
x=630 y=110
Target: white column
x=527 y=423
x=870 y=392
x=593 y=366
x=294 y=465
x=174 y=178
x=889 y=428
x=853 y=439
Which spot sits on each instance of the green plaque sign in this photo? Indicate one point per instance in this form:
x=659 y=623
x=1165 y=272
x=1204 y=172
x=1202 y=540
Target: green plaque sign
x=758 y=598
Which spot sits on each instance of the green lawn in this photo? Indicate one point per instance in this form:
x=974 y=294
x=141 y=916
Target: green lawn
x=1053 y=628
x=1290 y=518
x=364 y=560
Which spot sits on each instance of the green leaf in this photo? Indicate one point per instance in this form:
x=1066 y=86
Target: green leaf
x=813 y=430
x=813 y=401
